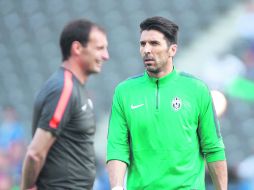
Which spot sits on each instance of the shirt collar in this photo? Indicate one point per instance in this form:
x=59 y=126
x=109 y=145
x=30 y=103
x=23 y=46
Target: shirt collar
x=169 y=77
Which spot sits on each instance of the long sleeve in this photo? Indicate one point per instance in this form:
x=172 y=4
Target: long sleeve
x=118 y=139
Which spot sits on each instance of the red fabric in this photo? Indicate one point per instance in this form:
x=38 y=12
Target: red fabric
x=63 y=101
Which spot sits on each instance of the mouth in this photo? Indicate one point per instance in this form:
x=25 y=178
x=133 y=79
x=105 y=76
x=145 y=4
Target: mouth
x=148 y=61
x=99 y=62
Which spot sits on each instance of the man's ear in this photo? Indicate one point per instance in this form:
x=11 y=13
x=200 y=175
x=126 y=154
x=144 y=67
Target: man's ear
x=172 y=50
x=76 y=48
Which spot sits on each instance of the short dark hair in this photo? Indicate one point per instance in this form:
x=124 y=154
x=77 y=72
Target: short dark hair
x=77 y=30
x=163 y=25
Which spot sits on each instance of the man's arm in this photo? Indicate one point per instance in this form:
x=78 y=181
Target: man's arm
x=219 y=174
x=35 y=157
x=116 y=170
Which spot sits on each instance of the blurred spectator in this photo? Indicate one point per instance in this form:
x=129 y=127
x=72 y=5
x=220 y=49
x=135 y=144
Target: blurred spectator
x=246 y=173
x=4 y=162
x=12 y=145
x=5 y=182
x=101 y=181
x=243 y=85
x=244 y=26
x=11 y=130
x=248 y=58
x=222 y=70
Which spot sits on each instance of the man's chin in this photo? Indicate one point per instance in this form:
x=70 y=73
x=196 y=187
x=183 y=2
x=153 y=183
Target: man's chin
x=151 y=69
x=97 y=70
x=94 y=71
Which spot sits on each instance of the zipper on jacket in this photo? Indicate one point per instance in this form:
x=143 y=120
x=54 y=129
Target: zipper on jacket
x=157 y=94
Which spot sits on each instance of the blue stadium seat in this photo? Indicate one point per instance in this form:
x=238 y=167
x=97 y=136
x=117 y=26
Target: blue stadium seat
x=112 y=19
x=80 y=5
x=58 y=22
x=29 y=7
x=43 y=35
x=102 y=7
x=18 y=36
x=131 y=5
x=24 y=51
x=7 y=7
x=12 y=21
x=3 y=51
x=56 y=6
x=37 y=21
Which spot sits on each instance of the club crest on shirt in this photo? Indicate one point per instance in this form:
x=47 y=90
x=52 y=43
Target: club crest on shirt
x=176 y=103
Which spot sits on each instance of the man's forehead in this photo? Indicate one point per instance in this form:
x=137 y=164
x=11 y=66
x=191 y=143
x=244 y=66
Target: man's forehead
x=151 y=35
x=97 y=35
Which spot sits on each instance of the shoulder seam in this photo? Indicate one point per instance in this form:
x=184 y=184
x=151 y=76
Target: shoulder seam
x=189 y=76
x=135 y=76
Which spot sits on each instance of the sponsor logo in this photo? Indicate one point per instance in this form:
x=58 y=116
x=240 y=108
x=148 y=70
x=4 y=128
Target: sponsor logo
x=136 y=106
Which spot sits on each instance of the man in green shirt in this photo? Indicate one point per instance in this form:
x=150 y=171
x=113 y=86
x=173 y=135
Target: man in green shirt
x=163 y=126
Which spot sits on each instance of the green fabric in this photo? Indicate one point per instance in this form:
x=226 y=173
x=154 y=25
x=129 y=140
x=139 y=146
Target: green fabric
x=164 y=145
x=15 y=188
x=241 y=88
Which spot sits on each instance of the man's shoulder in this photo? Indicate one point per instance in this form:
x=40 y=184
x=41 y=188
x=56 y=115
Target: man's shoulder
x=131 y=81
x=188 y=76
x=56 y=82
x=190 y=79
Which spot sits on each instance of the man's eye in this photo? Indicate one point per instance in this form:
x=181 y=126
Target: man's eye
x=142 y=43
x=100 y=48
x=154 y=43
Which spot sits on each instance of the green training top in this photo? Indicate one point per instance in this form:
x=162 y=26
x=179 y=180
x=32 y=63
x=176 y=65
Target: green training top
x=163 y=129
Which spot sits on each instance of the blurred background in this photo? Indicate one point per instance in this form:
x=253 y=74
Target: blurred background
x=216 y=44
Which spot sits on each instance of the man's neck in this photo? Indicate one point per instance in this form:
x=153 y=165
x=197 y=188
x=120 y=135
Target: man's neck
x=162 y=73
x=74 y=67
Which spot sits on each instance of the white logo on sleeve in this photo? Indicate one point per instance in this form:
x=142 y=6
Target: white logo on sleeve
x=84 y=107
x=176 y=103
x=89 y=104
x=136 y=106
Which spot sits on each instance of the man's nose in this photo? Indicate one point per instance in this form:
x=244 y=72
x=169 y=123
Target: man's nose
x=105 y=55
x=147 y=49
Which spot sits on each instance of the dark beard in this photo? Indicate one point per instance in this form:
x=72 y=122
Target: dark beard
x=152 y=70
